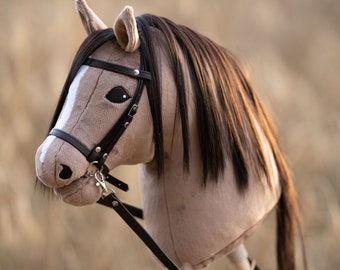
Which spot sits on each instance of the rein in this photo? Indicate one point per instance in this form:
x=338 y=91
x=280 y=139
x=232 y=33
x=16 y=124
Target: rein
x=99 y=153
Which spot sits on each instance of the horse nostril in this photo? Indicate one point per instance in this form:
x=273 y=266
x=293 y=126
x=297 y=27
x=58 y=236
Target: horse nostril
x=66 y=172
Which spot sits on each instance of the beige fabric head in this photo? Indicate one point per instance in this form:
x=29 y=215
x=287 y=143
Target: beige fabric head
x=88 y=115
x=54 y=154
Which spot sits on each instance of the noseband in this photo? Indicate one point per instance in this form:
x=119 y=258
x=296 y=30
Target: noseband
x=99 y=153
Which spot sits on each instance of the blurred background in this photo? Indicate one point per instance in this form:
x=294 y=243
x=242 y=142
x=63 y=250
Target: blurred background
x=291 y=49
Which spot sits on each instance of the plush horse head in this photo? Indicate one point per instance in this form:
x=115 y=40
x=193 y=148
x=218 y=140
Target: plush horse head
x=154 y=93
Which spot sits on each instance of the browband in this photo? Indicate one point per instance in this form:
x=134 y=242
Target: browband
x=132 y=72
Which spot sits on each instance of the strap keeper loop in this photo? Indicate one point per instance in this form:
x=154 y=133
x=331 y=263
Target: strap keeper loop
x=133 y=110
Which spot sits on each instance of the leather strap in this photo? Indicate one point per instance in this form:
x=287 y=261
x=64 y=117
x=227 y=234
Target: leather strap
x=136 y=73
x=112 y=201
x=110 y=139
x=86 y=152
x=71 y=140
x=117 y=183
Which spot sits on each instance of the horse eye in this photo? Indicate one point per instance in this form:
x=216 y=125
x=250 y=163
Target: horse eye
x=117 y=95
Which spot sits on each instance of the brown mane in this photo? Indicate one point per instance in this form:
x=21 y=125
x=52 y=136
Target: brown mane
x=226 y=103
x=227 y=111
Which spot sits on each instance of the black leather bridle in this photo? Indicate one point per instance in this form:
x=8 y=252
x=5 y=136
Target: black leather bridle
x=99 y=153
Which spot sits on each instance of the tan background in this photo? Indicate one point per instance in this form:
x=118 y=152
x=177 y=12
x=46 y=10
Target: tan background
x=292 y=51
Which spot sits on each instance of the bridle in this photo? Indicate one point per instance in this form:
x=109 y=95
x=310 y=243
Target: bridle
x=99 y=153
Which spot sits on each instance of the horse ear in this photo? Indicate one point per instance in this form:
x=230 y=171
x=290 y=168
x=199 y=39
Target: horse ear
x=89 y=19
x=125 y=28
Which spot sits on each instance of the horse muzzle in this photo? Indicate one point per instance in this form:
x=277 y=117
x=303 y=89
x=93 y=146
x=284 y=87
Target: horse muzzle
x=61 y=167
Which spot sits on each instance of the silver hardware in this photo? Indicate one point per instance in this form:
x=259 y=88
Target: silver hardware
x=108 y=192
x=98 y=149
x=100 y=178
x=89 y=173
x=126 y=124
x=135 y=72
x=114 y=203
x=105 y=156
x=133 y=110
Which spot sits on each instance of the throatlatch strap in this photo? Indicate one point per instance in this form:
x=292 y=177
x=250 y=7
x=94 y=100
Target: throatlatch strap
x=113 y=202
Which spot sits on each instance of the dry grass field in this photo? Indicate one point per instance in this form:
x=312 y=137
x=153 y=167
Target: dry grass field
x=291 y=49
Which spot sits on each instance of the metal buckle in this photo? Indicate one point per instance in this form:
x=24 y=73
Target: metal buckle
x=100 y=180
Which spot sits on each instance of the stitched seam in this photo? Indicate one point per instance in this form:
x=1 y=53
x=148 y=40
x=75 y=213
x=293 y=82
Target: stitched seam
x=169 y=222
x=243 y=236
x=89 y=100
x=73 y=127
x=80 y=116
